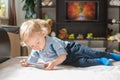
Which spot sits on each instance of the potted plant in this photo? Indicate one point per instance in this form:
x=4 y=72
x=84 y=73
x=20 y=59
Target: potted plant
x=30 y=8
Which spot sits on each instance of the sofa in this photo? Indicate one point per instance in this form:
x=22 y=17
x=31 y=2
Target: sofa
x=9 y=42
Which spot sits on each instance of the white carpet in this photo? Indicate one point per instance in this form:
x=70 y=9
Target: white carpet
x=11 y=70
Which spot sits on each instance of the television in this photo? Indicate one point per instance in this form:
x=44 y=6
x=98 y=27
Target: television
x=82 y=10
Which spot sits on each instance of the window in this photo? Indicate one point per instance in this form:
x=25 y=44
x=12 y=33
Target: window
x=4 y=8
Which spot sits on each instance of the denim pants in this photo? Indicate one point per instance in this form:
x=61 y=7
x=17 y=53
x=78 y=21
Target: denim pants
x=83 y=56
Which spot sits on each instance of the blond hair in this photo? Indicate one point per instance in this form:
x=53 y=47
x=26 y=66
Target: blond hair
x=34 y=25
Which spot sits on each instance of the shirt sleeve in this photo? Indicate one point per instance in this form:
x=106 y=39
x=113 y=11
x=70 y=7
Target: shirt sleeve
x=59 y=49
x=33 y=57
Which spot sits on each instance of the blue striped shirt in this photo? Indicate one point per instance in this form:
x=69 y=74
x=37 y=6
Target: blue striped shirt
x=53 y=48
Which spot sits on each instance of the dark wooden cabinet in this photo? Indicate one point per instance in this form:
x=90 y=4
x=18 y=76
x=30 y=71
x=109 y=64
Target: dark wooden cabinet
x=46 y=11
x=58 y=12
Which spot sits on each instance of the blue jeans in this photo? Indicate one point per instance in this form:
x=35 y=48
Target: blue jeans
x=83 y=56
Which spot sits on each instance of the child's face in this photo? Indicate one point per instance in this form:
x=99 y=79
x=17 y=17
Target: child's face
x=36 y=41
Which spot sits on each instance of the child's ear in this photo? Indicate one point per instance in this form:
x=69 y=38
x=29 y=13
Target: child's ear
x=44 y=33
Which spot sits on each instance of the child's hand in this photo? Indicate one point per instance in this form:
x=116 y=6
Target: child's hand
x=23 y=63
x=52 y=64
x=49 y=65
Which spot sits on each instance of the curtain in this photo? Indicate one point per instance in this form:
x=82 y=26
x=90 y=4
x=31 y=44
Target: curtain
x=12 y=13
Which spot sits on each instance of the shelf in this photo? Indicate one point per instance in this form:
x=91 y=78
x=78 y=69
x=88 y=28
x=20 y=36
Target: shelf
x=114 y=14
x=48 y=6
x=115 y=3
x=113 y=6
x=92 y=43
x=85 y=39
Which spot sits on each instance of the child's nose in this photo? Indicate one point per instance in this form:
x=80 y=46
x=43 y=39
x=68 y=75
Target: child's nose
x=36 y=47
